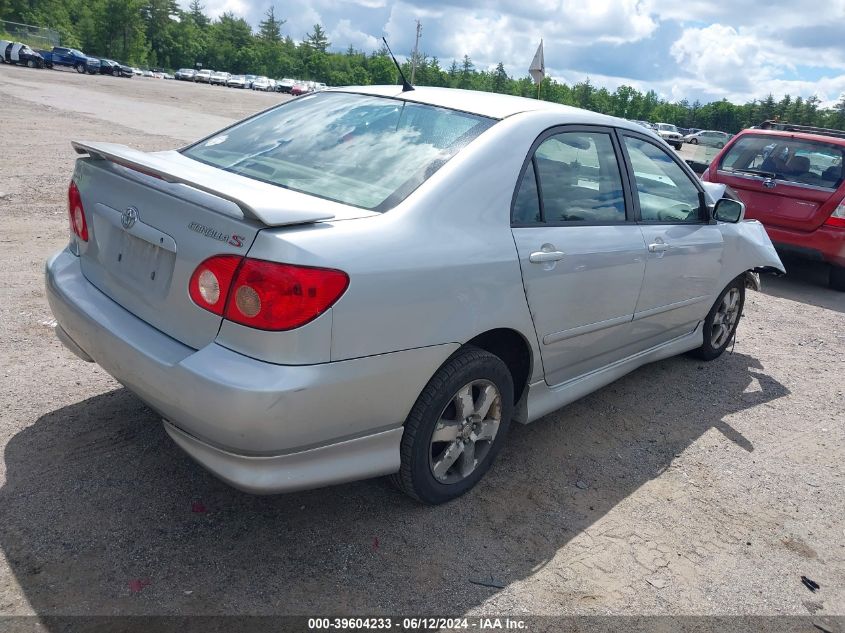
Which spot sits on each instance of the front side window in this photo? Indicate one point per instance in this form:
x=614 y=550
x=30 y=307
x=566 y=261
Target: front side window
x=579 y=181
x=665 y=192
x=806 y=162
x=365 y=151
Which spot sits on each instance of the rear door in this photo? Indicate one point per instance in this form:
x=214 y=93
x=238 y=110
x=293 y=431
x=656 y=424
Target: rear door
x=684 y=258
x=784 y=181
x=582 y=257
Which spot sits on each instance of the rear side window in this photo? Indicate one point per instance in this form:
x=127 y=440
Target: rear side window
x=365 y=151
x=579 y=181
x=791 y=159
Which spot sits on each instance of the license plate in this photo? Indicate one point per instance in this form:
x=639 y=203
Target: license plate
x=141 y=264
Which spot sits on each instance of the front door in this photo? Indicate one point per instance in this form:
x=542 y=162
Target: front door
x=684 y=258
x=582 y=257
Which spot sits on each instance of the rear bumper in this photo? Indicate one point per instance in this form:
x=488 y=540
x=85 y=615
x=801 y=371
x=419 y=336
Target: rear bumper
x=261 y=427
x=824 y=244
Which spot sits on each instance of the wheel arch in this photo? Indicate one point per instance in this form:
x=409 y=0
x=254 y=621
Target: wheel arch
x=514 y=350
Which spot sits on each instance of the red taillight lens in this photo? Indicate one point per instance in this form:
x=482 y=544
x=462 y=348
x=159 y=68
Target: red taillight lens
x=76 y=213
x=265 y=295
x=210 y=283
x=837 y=218
x=272 y=296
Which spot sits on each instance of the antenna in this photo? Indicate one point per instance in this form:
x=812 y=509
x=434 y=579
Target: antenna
x=405 y=85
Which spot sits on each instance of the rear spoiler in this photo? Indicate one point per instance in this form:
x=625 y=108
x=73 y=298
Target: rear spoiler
x=269 y=204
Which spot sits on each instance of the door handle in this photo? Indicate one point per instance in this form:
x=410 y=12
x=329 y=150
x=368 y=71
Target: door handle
x=658 y=247
x=540 y=257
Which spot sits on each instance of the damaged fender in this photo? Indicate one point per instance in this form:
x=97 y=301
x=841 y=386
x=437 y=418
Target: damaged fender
x=747 y=248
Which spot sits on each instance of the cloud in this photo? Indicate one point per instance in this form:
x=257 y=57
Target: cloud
x=696 y=49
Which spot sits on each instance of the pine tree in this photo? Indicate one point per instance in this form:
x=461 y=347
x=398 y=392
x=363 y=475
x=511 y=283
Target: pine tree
x=467 y=71
x=197 y=12
x=270 y=29
x=317 y=39
x=500 y=78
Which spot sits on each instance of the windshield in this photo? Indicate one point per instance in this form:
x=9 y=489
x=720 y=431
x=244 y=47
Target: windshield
x=369 y=152
x=667 y=127
x=786 y=158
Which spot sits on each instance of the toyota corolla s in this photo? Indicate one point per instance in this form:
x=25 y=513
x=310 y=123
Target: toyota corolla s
x=366 y=281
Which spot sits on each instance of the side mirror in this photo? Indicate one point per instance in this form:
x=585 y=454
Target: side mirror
x=728 y=210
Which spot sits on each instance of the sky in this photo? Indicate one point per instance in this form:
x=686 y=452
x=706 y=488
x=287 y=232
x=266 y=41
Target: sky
x=683 y=49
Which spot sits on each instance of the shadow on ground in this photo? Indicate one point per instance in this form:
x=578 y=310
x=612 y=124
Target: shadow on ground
x=97 y=496
x=805 y=281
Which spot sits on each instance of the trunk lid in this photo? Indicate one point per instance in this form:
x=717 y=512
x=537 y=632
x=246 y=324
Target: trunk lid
x=148 y=231
x=780 y=203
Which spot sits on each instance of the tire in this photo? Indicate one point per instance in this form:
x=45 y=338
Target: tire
x=678 y=146
x=30 y=63
x=714 y=345
x=837 y=278
x=469 y=371
x=693 y=141
x=80 y=68
x=720 y=145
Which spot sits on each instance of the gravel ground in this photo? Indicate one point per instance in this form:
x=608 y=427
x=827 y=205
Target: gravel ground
x=683 y=488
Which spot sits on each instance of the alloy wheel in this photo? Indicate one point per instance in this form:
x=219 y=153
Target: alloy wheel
x=725 y=318
x=465 y=431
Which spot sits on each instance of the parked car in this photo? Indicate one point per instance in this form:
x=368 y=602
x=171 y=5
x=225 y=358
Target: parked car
x=249 y=79
x=111 y=67
x=300 y=89
x=19 y=53
x=186 y=74
x=203 y=76
x=383 y=290
x=61 y=56
x=791 y=179
x=670 y=134
x=219 y=78
x=236 y=81
x=261 y=83
x=712 y=138
x=284 y=85
x=147 y=73
x=137 y=72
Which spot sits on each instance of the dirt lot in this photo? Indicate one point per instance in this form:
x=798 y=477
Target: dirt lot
x=684 y=488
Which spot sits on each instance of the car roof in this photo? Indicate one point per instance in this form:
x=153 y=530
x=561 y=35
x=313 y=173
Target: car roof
x=488 y=104
x=807 y=136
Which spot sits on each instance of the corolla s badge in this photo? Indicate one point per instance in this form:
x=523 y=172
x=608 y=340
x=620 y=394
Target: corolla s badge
x=128 y=218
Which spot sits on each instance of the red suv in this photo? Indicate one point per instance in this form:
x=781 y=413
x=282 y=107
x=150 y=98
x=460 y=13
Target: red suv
x=790 y=178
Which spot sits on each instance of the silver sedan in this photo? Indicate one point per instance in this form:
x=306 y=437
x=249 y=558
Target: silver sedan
x=366 y=281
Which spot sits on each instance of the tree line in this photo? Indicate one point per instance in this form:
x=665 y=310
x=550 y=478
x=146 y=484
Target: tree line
x=159 y=34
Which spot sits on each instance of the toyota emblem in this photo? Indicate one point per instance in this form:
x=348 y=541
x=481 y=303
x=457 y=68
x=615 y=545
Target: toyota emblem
x=129 y=217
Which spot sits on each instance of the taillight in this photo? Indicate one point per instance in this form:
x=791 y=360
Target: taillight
x=76 y=213
x=272 y=296
x=265 y=295
x=837 y=218
x=210 y=283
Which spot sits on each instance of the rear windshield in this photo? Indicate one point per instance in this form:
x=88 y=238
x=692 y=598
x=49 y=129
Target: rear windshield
x=796 y=160
x=369 y=152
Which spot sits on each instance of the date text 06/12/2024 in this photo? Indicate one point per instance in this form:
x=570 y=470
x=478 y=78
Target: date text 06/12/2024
x=416 y=624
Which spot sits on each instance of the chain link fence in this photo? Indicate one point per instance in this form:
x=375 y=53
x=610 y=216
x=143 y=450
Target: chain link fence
x=34 y=36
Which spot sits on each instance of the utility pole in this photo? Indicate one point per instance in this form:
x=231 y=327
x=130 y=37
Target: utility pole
x=416 y=52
